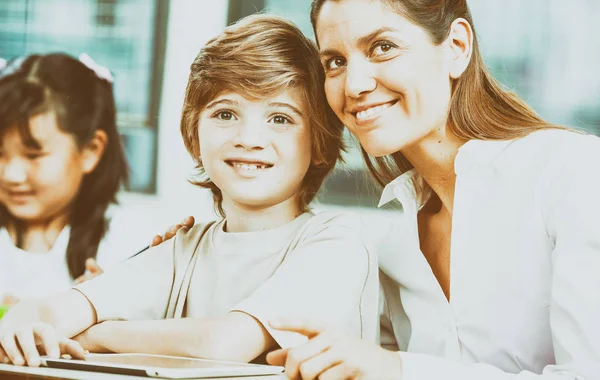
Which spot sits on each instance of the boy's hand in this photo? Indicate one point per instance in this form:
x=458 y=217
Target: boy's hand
x=23 y=340
x=187 y=222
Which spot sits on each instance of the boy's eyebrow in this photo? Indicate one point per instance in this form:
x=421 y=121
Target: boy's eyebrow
x=222 y=101
x=287 y=105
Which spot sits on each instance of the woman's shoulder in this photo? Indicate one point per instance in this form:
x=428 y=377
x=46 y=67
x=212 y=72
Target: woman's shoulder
x=561 y=139
x=551 y=150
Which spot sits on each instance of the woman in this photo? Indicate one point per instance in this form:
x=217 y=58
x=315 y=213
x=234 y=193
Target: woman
x=492 y=268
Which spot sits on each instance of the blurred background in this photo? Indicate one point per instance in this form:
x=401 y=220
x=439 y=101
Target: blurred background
x=546 y=50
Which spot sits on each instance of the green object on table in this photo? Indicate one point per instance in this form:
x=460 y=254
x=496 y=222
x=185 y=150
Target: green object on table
x=3 y=310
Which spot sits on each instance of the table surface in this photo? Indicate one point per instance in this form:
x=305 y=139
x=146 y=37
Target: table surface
x=14 y=372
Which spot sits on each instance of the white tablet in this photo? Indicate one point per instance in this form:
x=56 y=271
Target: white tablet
x=161 y=366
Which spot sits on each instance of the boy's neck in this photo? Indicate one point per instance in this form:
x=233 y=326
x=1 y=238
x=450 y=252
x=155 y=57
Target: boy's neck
x=37 y=236
x=243 y=218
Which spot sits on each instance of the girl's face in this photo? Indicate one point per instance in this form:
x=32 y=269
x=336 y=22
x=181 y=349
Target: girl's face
x=256 y=151
x=385 y=79
x=37 y=185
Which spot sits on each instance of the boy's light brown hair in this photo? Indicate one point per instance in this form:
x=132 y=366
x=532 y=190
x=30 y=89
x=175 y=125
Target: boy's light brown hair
x=258 y=57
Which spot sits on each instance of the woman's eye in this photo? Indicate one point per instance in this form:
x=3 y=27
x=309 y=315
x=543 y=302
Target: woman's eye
x=334 y=63
x=225 y=115
x=382 y=48
x=280 y=119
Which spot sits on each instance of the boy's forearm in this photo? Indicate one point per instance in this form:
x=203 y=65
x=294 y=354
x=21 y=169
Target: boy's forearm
x=68 y=313
x=232 y=338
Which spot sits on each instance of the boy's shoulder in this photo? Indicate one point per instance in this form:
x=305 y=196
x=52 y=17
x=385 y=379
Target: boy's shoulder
x=336 y=223
x=191 y=236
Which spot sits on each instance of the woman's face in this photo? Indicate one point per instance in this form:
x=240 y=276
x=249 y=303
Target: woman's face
x=385 y=79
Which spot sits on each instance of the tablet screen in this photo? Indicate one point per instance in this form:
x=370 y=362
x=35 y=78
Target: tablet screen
x=158 y=361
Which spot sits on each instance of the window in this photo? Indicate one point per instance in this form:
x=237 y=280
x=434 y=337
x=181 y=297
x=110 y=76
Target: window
x=127 y=36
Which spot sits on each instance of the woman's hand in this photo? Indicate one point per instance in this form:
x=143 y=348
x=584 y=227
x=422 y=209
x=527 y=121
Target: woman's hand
x=22 y=342
x=331 y=355
x=187 y=222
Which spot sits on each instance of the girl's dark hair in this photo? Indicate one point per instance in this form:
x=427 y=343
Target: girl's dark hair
x=83 y=103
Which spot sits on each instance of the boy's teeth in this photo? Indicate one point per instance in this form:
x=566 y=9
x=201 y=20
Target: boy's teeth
x=248 y=166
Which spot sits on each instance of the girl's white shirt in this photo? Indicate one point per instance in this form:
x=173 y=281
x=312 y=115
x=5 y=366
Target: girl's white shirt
x=524 y=270
x=26 y=274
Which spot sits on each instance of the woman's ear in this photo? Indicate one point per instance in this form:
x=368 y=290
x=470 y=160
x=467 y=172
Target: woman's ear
x=93 y=151
x=460 y=43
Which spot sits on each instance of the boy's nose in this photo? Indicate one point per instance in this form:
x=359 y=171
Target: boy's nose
x=251 y=136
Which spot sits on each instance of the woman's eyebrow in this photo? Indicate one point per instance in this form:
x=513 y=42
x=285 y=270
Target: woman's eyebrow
x=288 y=106
x=362 y=41
x=366 y=40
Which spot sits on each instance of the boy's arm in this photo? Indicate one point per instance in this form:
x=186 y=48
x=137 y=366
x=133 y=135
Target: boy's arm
x=234 y=337
x=47 y=323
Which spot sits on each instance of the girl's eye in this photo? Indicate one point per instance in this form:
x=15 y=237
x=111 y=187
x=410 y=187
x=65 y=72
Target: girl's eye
x=33 y=156
x=280 y=119
x=225 y=115
x=335 y=63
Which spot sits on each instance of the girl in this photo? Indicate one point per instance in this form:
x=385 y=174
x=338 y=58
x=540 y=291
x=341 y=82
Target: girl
x=61 y=166
x=491 y=270
x=256 y=121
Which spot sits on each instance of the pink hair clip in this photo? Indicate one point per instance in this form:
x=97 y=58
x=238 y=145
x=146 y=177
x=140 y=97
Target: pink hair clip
x=101 y=71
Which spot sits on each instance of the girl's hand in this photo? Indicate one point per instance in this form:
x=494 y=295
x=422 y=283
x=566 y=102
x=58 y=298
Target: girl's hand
x=92 y=269
x=9 y=300
x=23 y=343
x=331 y=355
x=187 y=222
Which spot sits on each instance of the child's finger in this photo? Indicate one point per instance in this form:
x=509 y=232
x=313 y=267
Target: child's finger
x=9 y=344
x=278 y=357
x=47 y=338
x=304 y=327
x=71 y=347
x=92 y=266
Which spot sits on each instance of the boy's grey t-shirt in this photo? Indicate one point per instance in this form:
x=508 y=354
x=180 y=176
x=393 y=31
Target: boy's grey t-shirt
x=315 y=267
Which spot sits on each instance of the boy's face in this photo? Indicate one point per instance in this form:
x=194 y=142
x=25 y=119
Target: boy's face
x=256 y=151
x=39 y=184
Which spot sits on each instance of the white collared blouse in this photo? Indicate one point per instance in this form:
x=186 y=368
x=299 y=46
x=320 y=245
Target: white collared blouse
x=524 y=271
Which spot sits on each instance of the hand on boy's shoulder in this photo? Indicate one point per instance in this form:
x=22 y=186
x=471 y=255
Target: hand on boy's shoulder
x=172 y=231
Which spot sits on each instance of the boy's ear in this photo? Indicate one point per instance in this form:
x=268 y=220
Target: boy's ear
x=93 y=151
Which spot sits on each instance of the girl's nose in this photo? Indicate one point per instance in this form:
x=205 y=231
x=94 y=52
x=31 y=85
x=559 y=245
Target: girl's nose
x=13 y=171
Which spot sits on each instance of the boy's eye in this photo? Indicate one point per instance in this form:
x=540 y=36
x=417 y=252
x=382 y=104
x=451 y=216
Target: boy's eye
x=280 y=119
x=334 y=63
x=225 y=115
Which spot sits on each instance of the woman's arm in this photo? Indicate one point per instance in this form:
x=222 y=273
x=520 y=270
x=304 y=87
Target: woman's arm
x=235 y=337
x=47 y=323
